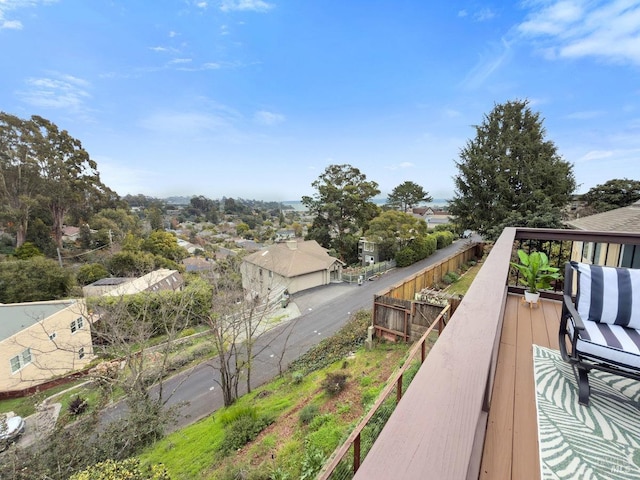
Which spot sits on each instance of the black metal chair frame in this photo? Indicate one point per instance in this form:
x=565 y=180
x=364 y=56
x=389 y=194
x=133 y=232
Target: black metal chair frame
x=583 y=362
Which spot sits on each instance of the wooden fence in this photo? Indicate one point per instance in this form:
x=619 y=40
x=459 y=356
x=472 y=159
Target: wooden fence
x=398 y=314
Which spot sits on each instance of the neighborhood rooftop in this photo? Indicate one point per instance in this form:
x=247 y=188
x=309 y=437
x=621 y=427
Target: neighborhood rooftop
x=18 y=316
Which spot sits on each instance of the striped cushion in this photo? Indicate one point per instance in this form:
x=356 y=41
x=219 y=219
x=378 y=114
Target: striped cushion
x=619 y=345
x=608 y=294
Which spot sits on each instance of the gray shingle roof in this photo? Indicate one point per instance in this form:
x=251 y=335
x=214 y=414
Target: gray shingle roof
x=625 y=219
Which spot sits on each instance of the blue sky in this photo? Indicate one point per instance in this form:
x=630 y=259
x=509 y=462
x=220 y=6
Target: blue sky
x=254 y=98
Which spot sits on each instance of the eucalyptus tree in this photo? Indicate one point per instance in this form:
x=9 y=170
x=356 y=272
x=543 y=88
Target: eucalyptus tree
x=510 y=174
x=66 y=170
x=20 y=179
x=342 y=206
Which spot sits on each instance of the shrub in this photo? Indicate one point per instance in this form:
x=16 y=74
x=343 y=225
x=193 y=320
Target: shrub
x=129 y=469
x=312 y=462
x=242 y=431
x=405 y=257
x=451 y=277
x=308 y=413
x=444 y=239
x=335 y=348
x=77 y=405
x=297 y=378
x=334 y=383
x=91 y=272
x=234 y=413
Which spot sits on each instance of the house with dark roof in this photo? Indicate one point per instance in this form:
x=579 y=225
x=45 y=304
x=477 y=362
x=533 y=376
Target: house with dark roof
x=42 y=340
x=293 y=266
x=625 y=219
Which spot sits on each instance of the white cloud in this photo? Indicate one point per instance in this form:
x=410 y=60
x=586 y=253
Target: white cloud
x=596 y=155
x=10 y=25
x=608 y=30
x=56 y=91
x=484 y=15
x=401 y=165
x=479 y=16
x=486 y=66
x=268 y=118
x=246 y=5
x=12 y=5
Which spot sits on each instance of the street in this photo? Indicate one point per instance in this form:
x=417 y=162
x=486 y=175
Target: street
x=323 y=311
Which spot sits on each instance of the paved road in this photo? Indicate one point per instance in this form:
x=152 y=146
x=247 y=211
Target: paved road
x=323 y=310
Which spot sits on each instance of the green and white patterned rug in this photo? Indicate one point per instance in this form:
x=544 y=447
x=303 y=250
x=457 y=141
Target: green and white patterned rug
x=601 y=441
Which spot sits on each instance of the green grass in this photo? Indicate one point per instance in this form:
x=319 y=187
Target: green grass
x=461 y=286
x=27 y=405
x=194 y=452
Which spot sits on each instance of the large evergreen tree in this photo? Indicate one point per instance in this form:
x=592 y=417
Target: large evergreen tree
x=343 y=207
x=510 y=175
x=612 y=194
x=407 y=195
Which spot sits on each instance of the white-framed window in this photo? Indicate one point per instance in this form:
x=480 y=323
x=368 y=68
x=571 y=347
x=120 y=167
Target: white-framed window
x=81 y=352
x=77 y=324
x=52 y=336
x=20 y=361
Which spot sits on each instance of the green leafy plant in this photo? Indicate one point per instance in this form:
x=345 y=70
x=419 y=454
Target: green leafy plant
x=535 y=271
x=308 y=413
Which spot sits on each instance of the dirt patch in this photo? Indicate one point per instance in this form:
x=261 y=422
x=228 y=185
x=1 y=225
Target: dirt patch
x=347 y=406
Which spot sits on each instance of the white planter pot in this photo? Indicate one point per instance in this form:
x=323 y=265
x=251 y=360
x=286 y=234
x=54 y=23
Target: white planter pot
x=531 y=297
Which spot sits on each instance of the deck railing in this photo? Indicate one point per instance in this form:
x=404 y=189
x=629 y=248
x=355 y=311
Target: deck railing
x=447 y=443
x=346 y=460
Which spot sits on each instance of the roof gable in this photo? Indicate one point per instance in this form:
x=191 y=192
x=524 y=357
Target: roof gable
x=293 y=258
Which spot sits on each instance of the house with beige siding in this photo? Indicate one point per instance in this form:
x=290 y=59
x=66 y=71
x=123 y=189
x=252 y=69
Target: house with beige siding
x=625 y=219
x=292 y=266
x=42 y=340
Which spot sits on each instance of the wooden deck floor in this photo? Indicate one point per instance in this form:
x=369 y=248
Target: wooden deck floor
x=511 y=441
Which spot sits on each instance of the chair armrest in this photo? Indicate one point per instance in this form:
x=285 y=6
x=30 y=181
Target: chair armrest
x=577 y=320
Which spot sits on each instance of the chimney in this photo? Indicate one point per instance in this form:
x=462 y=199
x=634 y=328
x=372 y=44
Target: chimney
x=292 y=244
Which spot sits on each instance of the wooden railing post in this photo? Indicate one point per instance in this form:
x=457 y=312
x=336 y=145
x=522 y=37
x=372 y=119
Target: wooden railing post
x=423 y=350
x=356 y=453
x=399 y=389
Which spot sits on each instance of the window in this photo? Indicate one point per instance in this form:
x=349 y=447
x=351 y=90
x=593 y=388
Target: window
x=77 y=324
x=81 y=352
x=20 y=361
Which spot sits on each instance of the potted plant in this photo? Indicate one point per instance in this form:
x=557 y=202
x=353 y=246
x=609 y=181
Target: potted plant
x=535 y=273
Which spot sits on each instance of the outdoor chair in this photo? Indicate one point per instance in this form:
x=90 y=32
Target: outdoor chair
x=601 y=328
